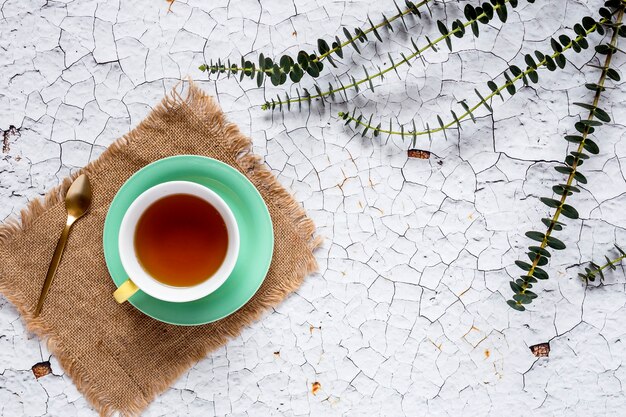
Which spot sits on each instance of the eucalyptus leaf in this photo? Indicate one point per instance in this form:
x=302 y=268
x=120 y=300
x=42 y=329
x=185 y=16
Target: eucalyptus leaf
x=515 y=306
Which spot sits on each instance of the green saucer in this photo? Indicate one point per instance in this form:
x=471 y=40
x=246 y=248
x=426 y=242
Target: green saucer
x=255 y=231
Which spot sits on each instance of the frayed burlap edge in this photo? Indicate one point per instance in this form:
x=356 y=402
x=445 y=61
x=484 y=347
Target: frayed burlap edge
x=240 y=147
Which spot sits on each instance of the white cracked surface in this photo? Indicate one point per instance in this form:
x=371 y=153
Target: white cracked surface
x=407 y=316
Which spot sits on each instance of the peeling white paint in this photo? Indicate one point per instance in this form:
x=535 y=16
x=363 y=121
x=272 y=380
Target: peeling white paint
x=407 y=315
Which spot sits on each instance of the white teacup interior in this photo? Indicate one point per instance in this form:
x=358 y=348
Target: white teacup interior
x=141 y=277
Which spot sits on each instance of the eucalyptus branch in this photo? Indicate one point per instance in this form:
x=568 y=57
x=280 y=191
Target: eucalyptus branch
x=310 y=63
x=539 y=255
x=549 y=61
x=474 y=15
x=594 y=269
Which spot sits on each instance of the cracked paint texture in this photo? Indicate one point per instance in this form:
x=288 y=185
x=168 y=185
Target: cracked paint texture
x=407 y=316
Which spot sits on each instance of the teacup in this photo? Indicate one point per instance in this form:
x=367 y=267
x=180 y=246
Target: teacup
x=140 y=216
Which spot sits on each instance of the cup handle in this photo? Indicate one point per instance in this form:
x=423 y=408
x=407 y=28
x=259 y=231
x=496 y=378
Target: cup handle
x=125 y=291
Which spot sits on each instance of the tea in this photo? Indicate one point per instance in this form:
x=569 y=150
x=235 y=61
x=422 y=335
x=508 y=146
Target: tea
x=181 y=240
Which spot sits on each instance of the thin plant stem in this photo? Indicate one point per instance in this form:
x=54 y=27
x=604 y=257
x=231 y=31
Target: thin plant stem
x=362 y=122
x=574 y=165
x=325 y=55
x=380 y=73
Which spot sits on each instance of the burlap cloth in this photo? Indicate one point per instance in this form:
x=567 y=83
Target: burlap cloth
x=119 y=358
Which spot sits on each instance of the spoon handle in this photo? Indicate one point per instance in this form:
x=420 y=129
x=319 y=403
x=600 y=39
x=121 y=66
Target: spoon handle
x=52 y=269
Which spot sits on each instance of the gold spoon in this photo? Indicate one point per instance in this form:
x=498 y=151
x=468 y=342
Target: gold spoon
x=77 y=202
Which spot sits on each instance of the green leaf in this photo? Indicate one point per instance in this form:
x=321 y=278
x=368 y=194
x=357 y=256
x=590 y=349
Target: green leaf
x=456 y=119
x=550 y=202
x=560 y=60
x=313 y=71
x=550 y=64
x=605 y=49
x=470 y=12
x=458 y=28
x=303 y=60
x=534 y=77
x=322 y=46
x=580 y=178
x=523 y=265
x=574 y=138
x=588 y=22
x=590 y=123
x=548 y=222
x=522 y=298
x=475 y=29
x=515 y=70
x=487 y=9
x=601 y=115
x=612 y=74
x=565 y=40
x=539 y=250
x=515 y=306
x=569 y=212
x=361 y=35
x=527 y=279
x=580 y=31
x=570 y=160
x=510 y=88
x=483 y=101
x=579 y=155
x=605 y=13
x=530 y=61
x=442 y=126
x=515 y=287
x=582 y=128
x=584 y=105
x=369 y=80
x=468 y=110
x=563 y=169
x=563 y=189
x=502 y=13
x=594 y=87
x=541 y=260
x=541 y=274
x=296 y=74
x=538 y=236
x=337 y=47
x=555 y=243
x=442 y=27
x=555 y=45
x=591 y=147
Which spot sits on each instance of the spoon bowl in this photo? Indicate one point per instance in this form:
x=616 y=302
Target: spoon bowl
x=78 y=198
x=77 y=203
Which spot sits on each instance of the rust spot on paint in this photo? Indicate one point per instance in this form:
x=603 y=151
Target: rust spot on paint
x=315 y=387
x=41 y=369
x=487 y=353
x=7 y=135
x=541 y=350
x=418 y=153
